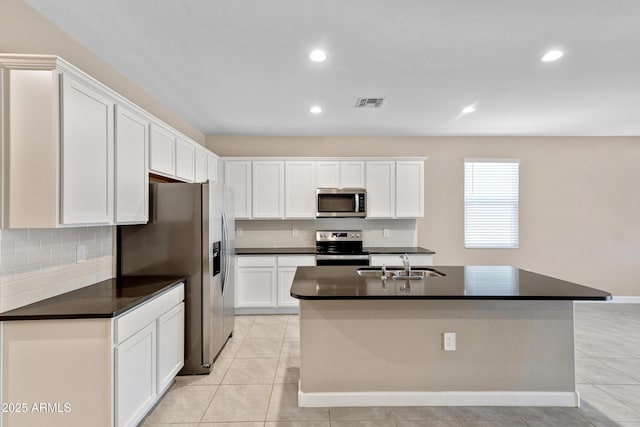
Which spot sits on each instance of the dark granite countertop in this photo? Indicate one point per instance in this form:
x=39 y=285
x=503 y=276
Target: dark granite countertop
x=276 y=251
x=399 y=250
x=468 y=282
x=105 y=299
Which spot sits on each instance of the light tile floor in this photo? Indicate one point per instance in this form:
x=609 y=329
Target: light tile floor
x=254 y=383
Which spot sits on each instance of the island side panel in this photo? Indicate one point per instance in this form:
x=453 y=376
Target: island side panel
x=397 y=346
x=58 y=362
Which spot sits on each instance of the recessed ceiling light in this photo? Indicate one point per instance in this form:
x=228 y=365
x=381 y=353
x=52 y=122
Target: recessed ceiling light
x=468 y=109
x=552 y=55
x=315 y=109
x=318 y=55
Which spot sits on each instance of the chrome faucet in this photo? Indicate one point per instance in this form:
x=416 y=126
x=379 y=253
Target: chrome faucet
x=406 y=263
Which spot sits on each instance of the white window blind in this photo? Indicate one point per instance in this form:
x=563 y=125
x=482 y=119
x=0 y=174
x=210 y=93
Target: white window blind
x=491 y=203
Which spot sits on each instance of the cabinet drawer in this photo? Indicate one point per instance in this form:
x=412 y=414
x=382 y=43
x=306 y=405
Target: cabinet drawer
x=296 y=260
x=256 y=261
x=139 y=317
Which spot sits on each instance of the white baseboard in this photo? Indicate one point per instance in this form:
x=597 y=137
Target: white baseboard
x=617 y=300
x=625 y=300
x=442 y=398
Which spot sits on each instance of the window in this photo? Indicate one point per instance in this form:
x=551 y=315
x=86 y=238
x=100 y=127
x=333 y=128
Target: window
x=491 y=203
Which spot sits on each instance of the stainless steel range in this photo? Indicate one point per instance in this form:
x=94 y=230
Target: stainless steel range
x=343 y=247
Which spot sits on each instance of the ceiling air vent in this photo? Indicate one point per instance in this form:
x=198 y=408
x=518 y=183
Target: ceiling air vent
x=369 y=102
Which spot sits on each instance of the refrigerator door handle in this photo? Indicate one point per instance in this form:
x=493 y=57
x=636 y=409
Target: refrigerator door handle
x=225 y=240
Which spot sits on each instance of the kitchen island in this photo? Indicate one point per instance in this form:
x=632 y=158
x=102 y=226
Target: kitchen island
x=365 y=341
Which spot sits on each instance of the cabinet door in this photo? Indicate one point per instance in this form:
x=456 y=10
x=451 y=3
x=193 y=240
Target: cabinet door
x=351 y=174
x=170 y=346
x=212 y=168
x=201 y=174
x=162 y=151
x=409 y=189
x=131 y=177
x=237 y=174
x=256 y=287
x=135 y=376
x=285 y=279
x=300 y=189
x=380 y=189
x=86 y=155
x=268 y=189
x=328 y=174
x=287 y=267
x=185 y=160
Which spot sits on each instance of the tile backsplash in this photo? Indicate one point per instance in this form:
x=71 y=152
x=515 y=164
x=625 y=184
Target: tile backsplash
x=301 y=233
x=40 y=263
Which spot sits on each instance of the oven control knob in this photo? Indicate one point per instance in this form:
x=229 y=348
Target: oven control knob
x=358 y=235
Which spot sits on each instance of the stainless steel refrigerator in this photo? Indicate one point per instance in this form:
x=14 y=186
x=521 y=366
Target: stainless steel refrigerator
x=190 y=233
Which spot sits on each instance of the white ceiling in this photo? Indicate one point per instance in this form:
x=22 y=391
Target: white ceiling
x=241 y=67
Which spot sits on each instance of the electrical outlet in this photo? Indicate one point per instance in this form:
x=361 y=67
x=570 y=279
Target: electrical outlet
x=294 y=232
x=239 y=232
x=386 y=232
x=449 y=341
x=81 y=254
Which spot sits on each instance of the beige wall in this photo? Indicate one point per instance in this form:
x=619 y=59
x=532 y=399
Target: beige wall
x=579 y=198
x=397 y=345
x=23 y=30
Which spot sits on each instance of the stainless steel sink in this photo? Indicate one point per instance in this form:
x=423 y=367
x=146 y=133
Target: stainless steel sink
x=395 y=274
x=376 y=272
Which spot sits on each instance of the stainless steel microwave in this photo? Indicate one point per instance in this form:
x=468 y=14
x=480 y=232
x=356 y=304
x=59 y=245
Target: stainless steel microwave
x=341 y=202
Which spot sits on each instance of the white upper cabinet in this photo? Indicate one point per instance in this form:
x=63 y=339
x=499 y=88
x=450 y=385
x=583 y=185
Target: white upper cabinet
x=185 y=160
x=380 y=189
x=274 y=188
x=351 y=174
x=76 y=153
x=131 y=176
x=162 y=151
x=268 y=189
x=237 y=174
x=409 y=189
x=328 y=174
x=212 y=168
x=86 y=155
x=340 y=174
x=201 y=174
x=395 y=189
x=300 y=189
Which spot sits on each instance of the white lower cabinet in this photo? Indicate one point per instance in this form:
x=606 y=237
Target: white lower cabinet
x=135 y=367
x=287 y=266
x=264 y=282
x=257 y=282
x=170 y=345
x=418 y=260
x=148 y=354
x=111 y=371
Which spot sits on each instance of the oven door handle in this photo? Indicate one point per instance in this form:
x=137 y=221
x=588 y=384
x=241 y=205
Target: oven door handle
x=341 y=257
